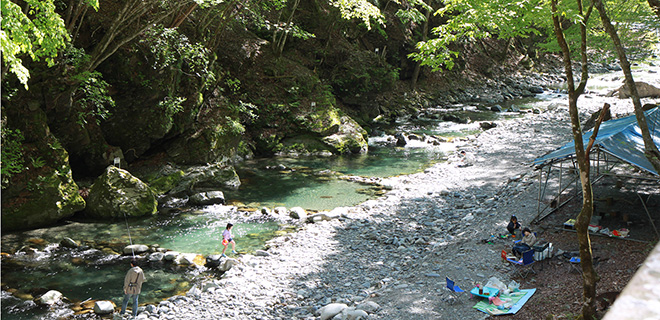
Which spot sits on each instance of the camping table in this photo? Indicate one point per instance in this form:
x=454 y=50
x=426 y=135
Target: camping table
x=488 y=292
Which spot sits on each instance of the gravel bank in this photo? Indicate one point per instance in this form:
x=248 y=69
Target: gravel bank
x=391 y=255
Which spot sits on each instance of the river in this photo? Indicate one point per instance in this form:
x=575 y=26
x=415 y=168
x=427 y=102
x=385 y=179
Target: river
x=311 y=183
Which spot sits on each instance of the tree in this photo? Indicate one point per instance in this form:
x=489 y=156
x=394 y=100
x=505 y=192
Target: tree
x=131 y=20
x=589 y=276
x=411 y=14
x=35 y=30
x=650 y=149
x=507 y=19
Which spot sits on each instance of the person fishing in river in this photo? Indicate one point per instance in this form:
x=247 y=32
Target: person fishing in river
x=132 y=287
x=228 y=238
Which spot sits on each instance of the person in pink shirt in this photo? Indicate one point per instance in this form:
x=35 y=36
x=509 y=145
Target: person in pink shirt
x=228 y=238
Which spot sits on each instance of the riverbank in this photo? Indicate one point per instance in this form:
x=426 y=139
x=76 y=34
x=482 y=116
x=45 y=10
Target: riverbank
x=394 y=252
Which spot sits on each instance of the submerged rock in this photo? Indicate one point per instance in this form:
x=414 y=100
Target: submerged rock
x=69 y=243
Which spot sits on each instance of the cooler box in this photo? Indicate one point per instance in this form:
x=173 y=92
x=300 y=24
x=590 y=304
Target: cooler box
x=541 y=250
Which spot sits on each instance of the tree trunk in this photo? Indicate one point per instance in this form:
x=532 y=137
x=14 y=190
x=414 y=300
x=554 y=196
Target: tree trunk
x=650 y=149
x=418 y=66
x=589 y=277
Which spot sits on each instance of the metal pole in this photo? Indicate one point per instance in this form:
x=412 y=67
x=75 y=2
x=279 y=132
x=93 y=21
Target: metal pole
x=649 y=214
x=561 y=174
x=538 y=204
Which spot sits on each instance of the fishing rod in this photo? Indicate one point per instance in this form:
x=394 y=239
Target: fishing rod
x=129 y=235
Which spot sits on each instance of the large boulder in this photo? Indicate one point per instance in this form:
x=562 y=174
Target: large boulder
x=323 y=131
x=207 y=198
x=116 y=192
x=644 y=90
x=349 y=137
x=215 y=176
x=44 y=192
x=228 y=264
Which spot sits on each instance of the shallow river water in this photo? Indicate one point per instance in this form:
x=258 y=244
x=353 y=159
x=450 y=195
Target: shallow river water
x=311 y=183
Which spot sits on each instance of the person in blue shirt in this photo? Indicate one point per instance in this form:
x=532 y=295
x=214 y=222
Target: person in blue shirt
x=514 y=226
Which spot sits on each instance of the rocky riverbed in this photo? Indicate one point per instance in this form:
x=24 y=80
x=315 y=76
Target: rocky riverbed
x=388 y=257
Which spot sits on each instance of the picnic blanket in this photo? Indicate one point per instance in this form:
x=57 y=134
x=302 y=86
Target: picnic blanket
x=518 y=300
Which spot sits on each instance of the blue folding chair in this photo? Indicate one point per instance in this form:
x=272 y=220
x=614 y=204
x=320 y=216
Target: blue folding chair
x=526 y=264
x=453 y=287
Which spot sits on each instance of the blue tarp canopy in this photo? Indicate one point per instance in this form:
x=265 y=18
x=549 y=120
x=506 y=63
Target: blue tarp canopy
x=620 y=138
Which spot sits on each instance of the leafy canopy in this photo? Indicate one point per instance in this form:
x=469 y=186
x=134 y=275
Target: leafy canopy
x=359 y=9
x=470 y=19
x=39 y=33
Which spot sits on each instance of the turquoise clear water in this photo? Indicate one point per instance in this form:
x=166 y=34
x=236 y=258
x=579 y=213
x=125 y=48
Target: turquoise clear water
x=91 y=274
x=308 y=182
x=312 y=183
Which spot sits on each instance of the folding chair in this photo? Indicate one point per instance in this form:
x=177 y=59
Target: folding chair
x=574 y=264
x=453 y=287
x=526 y=264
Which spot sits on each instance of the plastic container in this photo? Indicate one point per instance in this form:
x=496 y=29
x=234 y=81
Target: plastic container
x=541 y=250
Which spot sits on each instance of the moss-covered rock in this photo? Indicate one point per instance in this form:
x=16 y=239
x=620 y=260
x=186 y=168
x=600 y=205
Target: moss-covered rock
x=50 y=199
x=116 y=192
x=165 y=183
x=211 y=177
x=44 y=192
x=202 y=146
x=349 y=138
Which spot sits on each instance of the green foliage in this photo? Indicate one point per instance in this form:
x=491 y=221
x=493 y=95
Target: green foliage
x=172 y=105
x=363 y=73
x=12 y=154
x=233 y=84
x=244 y=110
x=232 y=127
x=411 y=13
x=173 y=50
x=92 y=97
x=362 y=10
x=469 y=20
x=37 y=162
x=38 y=33
x=635 y=23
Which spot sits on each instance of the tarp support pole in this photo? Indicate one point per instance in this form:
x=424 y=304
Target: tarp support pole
x=538 y=205
x=649 y=214
x=561 y=174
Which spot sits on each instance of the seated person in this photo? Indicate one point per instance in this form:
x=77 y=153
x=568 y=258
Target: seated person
x=514 y=225
x=528 y=240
